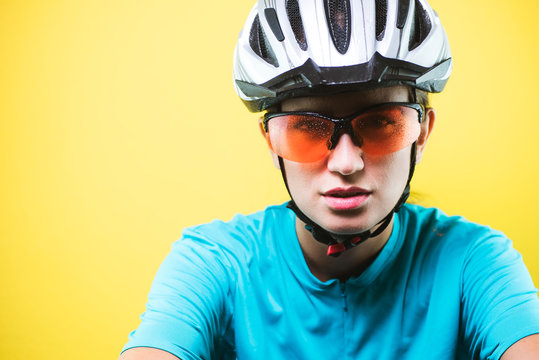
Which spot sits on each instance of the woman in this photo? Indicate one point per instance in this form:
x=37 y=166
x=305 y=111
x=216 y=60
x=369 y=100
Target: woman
x=345 y=269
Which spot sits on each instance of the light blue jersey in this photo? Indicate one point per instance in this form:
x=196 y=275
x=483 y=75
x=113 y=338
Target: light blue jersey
x=441 y=288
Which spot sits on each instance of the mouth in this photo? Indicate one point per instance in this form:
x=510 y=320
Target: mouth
x=348 y=192
x=346 y=198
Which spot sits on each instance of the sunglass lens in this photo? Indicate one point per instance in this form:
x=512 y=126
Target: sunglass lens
x=300 y=138
x=387 y=129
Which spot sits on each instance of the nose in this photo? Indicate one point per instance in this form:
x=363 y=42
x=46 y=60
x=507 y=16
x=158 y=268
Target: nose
x=346 y=158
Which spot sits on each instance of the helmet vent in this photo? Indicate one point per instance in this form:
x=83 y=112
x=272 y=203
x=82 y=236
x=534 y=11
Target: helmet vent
x=294 y=16
x=273 y=22
x=381 y=18
x=339 y=22
x=259 y=43
x=421 y=26
x=404 y=5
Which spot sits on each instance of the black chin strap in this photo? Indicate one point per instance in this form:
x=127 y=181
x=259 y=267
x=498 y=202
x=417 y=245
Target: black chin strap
x=338 y=243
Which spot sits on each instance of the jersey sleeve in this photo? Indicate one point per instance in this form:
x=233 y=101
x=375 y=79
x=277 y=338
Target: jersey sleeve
x=186 y=308
x=499 y=301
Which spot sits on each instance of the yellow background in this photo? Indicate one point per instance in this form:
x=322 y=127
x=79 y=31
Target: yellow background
x=110 y=144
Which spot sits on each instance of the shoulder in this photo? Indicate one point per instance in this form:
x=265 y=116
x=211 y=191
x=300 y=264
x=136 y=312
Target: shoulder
x=191 y=301
x=239 y=237
x=475 y=255
x=473 y=270
x=221 y=248
x=453 y=242
x=433 y=224
x=245 y=226
x=241 y=223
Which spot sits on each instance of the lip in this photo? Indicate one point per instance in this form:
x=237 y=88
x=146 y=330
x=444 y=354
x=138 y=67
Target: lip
x=346 y=198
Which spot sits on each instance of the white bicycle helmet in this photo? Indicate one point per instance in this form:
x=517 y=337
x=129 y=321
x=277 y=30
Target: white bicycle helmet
x=291 y=48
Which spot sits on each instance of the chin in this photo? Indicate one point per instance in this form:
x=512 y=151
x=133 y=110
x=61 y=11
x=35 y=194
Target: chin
x=346 y=225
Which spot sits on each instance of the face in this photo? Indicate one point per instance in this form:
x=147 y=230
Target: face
x=349 y=191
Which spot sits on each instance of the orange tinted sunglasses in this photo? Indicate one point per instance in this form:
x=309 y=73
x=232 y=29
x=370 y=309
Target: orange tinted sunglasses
x=308 y=136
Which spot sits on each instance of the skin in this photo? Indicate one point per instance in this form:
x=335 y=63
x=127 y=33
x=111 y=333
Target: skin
x=525 y=349
x=145 y=353
x=345 y=166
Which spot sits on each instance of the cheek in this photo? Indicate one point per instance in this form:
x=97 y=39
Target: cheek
x=301 y=176
x=391 y=170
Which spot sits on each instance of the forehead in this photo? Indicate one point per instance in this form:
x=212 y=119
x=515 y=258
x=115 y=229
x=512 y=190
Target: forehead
x=346 y=103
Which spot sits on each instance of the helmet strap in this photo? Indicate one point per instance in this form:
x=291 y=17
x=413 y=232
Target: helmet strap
x=338 y=243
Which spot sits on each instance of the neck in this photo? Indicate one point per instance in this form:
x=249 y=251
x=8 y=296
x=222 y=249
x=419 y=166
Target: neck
x=350 y=263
